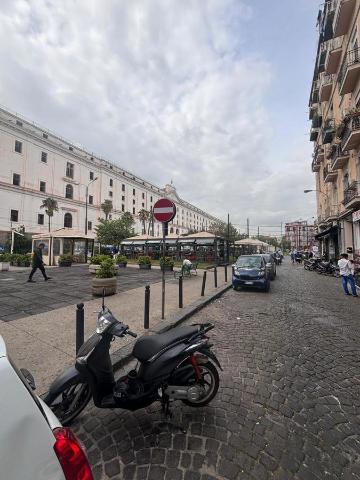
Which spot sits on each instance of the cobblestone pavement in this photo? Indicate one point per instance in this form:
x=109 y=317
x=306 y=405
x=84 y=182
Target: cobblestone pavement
x=67 y=286
x=288 y=406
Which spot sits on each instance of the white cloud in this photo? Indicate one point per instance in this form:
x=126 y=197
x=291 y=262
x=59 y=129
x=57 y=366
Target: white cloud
x=157 y=86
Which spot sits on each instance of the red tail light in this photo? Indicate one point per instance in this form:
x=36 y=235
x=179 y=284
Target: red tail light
x=71 y=456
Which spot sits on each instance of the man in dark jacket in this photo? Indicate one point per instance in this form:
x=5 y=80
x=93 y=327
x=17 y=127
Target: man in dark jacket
x=37 y=262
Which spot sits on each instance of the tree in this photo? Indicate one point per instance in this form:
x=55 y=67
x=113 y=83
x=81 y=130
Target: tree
x=51 y=206
x=112 y=232
x=144 y=216
x=107 y=207
x=220 y=229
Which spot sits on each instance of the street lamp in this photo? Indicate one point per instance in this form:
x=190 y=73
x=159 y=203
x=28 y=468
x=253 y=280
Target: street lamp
x=86 y=216
x=318 y=191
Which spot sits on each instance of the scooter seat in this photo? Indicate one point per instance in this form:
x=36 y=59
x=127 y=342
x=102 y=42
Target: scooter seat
x=148 y=346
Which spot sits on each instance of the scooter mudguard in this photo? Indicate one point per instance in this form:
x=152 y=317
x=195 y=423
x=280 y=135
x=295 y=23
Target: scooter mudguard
x=206 y=351
x=67 y=378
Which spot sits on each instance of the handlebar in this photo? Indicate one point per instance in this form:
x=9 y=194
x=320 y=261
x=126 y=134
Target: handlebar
x=132 y=334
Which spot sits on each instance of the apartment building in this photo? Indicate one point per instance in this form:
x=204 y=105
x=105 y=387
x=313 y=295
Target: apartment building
x=300 y=234
x=36 y=164
x=334 y=110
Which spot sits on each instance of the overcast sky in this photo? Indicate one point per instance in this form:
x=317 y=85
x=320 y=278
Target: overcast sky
x=212 y=94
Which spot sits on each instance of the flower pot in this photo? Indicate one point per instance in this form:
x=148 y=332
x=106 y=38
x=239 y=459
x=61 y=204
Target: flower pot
x=94 y=268
x=4 y=266
x=122 y=265
x=145 y=266
x=99 y=284
x=167 y=268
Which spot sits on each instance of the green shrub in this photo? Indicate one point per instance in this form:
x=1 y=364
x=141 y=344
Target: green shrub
x=167 y=262
x=97 y=259
x=106 y=269
x=5 y=257
x=121 y=259
x=66 y=259
x=144 y=260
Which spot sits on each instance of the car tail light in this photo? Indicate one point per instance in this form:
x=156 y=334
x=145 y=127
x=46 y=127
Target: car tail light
x=71 y=456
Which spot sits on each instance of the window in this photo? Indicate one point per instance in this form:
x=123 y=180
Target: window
x=110 y=193
x=133 y=191
x=143 y=195
x=42 y=186
x=16 y=179
x=70 y=170
x=14 y=215
x=111 y=182
x=68 y=220
x=150 y=199
x=134 y=211
x=89 y=225
x=71 y=149
x=123 y=208
x=143 y=205
x=123 y=187
x=69 y=191
x=91 y=200
x=45 y=135
x=91 y=175
x=123 y=198
x=18 y=146
x=20 y=124
x=44 y=157
x=134 y=202
x=40 y=219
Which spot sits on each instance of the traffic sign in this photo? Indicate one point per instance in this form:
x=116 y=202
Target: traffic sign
x=164 y=210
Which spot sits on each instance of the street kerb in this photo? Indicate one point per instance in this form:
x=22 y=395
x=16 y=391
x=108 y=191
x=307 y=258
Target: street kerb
x=123 y=355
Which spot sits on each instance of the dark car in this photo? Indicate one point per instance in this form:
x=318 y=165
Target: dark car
x=250 y=270
x=270 y=265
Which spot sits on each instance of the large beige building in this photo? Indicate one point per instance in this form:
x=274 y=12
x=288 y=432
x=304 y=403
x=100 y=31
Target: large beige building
x=36 y=164
x=335 y=115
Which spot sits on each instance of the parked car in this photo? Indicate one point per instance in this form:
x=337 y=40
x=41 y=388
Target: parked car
x=250 y=270
x=270 y=265
x=33 y=443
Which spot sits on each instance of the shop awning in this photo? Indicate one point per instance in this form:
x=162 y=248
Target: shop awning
x=330 y=231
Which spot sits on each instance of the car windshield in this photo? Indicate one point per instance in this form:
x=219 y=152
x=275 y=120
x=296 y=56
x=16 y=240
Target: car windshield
x=248 y=262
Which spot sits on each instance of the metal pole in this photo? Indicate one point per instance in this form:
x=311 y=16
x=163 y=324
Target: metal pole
x=147 y=307
x=12 y=241
x=180 y=291
x=248 y=227
x=226 y=273
x=215 y=276
x=86 y=222
x=228 y=240
x=79 y=325
x=163 y=275
x=203 y=284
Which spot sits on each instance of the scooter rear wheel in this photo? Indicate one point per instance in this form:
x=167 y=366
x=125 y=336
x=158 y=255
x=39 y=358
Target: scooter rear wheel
x=71 y=402
x=210 y=381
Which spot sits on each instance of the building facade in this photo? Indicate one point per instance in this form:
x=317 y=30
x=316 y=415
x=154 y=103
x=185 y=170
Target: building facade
x=334 y=110
x=300 y=234
x=37 y=164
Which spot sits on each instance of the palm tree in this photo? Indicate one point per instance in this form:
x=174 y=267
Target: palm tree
x=107 y=207
x=51 y=206
x=144 y=216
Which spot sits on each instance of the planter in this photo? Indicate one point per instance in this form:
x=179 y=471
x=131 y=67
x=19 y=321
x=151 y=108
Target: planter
x=99 y=284
x=167 y=268
x=93 y=268
x=122 y=265
x=4 y=266
x=145 y=266
x=65 y=264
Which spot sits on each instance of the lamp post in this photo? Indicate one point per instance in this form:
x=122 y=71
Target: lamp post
x=86 y=216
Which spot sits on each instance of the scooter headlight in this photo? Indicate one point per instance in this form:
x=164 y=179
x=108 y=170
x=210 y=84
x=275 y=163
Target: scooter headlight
x=102 y=324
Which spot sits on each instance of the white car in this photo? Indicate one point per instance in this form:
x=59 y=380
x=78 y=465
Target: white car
x=33 y=444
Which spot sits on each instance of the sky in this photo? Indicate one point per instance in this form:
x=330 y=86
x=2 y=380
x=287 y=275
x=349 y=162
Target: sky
x=211 y=94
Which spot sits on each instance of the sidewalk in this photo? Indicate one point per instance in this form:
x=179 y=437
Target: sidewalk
x=45 y=343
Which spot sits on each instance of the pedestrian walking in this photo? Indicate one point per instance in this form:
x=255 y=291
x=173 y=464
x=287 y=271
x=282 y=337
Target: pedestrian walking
x=293 y=255
x=37 y=263
x=346 y=267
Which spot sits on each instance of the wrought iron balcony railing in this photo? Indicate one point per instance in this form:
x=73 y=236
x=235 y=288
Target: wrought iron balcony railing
x=351 y=192
x=351 y=58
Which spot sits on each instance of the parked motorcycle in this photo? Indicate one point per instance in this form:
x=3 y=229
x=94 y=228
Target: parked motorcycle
x=176 y=365
x=328 y=268
x=311 y=263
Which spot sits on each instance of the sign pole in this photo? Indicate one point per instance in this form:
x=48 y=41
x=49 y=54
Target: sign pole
x=164 y=225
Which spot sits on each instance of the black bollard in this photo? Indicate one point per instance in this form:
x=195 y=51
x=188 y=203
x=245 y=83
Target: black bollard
x=180 y=291
x=226 y=273
x=215 y=276
x=203 y=284
x=232 y=270
x=147 y=307
x=79 y=326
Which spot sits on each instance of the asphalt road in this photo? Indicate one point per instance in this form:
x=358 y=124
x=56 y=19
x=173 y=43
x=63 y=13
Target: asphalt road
x=289 y=402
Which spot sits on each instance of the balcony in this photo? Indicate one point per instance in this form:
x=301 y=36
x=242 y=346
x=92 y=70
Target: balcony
x=322 y=61
x=352 y=195
x=343 y=15
x=316 y=121
x=329 y=174
x=329 y=131
x=351 y=136
x=314 y=133
x=350 y=71
x=338 y=157
x=334 y=56
x=331 y=213
x=326 y=87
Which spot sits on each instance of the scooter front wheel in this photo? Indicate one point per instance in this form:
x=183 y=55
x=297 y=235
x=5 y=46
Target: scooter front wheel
x=70 y=402
x=209 y=382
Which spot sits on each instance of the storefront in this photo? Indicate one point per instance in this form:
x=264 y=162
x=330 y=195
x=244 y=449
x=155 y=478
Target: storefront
x=329 y=242
x=356 y=234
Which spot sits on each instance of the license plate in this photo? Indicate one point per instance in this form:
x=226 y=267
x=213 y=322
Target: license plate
x=249 y=283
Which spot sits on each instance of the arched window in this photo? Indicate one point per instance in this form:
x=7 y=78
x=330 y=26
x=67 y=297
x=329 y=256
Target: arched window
x=69 y=191
x=68 y=220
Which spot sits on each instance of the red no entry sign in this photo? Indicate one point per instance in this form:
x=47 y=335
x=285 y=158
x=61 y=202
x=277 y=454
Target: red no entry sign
x=164 y=210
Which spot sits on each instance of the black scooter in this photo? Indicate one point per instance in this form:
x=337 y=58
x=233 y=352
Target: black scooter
x=176 y=365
